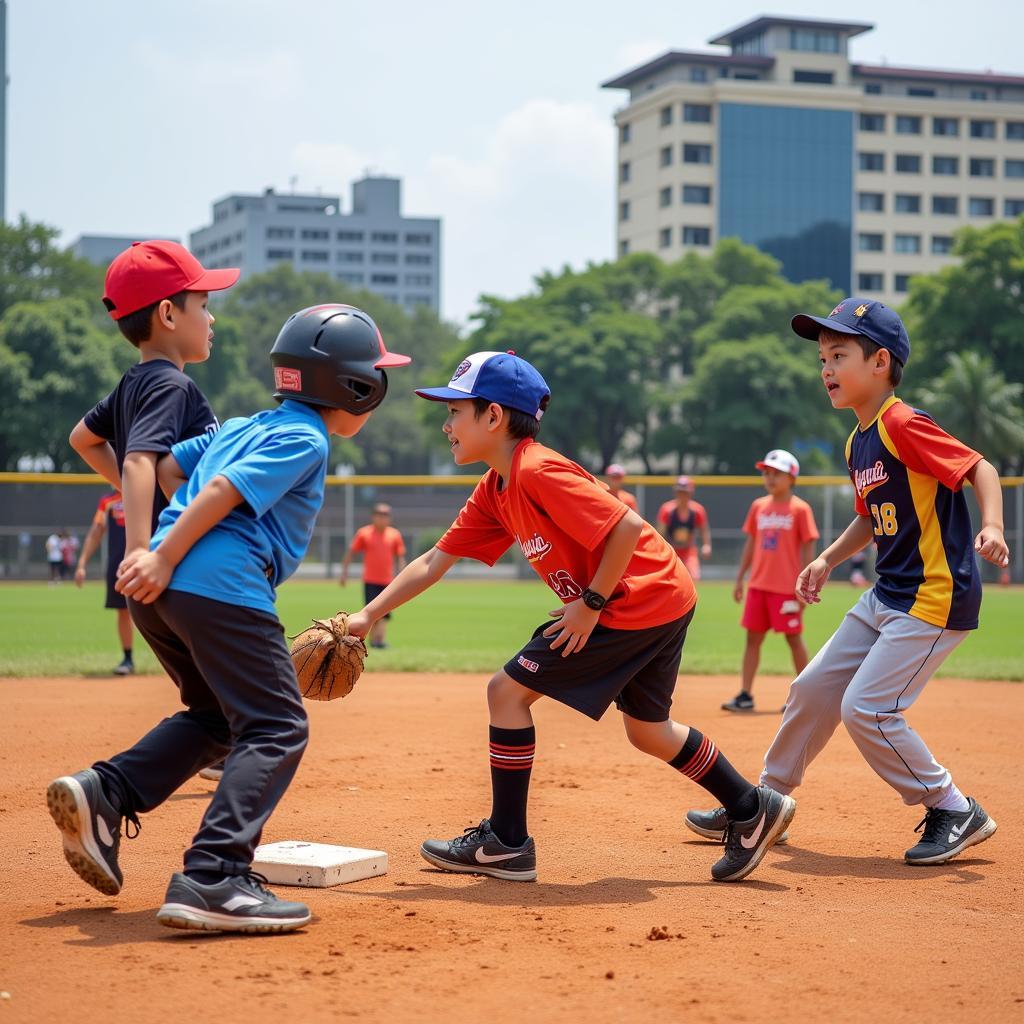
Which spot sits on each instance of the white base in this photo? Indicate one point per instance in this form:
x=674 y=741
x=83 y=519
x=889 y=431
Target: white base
x=317 y=865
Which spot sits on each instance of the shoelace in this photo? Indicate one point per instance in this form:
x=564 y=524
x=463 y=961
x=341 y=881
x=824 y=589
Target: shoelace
x=934 y=824
x=473 y=834
x=131 y=818
x=256 y=881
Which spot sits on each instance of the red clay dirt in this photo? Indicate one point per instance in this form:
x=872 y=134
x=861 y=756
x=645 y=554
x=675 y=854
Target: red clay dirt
x=623 y=924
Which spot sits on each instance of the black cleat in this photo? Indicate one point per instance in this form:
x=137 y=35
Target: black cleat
x=91 y=828
x=947 y=833
x=478 y=851
x=125 y=668
x=746 y=842
x=238 y=903
x=712 y=825
x=741 y=702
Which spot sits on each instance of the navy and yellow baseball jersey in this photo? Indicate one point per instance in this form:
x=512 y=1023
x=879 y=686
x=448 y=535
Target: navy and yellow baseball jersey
x=908 y=473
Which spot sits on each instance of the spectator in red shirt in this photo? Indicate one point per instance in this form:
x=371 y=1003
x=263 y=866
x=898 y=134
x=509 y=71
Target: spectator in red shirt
x=382 y=546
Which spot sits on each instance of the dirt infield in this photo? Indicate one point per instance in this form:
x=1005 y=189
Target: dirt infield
x=831 y=927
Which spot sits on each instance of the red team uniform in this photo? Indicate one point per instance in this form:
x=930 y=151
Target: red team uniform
x=681 y=532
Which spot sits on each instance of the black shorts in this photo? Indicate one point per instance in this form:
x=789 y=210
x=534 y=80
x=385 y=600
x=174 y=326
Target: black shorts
x=114 y=599
x=372 y=590
x=635 y=668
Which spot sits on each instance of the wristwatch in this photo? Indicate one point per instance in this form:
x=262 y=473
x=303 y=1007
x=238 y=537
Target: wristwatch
x=593 y=600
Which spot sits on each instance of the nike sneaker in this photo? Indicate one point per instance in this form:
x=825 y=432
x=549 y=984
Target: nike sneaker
x=712 y=825
x=741 y=702
x=478 y=851
x=213 y=772
x=91 y=829
x=947 y=833
x=746 y=842
x=239 y=903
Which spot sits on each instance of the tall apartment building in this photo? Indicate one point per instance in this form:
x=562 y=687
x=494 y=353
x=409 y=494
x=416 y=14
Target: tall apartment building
x=373 y=246
x=856 y=172
x=101 y=249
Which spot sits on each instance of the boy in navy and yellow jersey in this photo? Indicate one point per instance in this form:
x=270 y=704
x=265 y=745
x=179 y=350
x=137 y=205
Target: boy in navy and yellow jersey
x=908 y=475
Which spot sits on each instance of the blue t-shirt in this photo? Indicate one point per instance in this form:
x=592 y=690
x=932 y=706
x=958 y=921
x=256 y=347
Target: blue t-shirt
x=277 y=460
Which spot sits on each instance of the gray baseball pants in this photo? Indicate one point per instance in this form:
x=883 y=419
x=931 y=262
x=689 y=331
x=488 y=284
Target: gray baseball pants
x=866 y=676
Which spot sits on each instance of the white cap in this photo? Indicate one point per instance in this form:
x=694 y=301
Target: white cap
x=783 y=461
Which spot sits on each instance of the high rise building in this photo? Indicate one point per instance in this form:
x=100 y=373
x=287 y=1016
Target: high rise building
x=860 y=173
x=372 y=246
x=101 y=249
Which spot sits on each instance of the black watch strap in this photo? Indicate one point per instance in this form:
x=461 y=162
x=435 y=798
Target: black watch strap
x=593 y=600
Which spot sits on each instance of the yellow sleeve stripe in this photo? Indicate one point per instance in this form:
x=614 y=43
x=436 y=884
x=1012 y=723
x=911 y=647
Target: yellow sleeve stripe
x=935 y=595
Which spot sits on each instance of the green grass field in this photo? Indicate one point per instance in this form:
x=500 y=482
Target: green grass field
x=461 y=627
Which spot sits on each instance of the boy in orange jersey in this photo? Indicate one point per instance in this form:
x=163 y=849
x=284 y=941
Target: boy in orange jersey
x=679 y=519
x=626 y=604
x=615 y=475
x=780 y=533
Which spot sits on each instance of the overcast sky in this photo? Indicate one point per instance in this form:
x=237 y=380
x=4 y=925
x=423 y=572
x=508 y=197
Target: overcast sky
x=132 y=116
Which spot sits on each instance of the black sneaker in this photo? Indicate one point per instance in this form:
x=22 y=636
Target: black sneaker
x=213 y=772
x=746 y=842
x=712 y=825
x=741 y=702
x=91 y=827
x=947 y=833
x=478 y=851
x=239 y=903
x=125 y=668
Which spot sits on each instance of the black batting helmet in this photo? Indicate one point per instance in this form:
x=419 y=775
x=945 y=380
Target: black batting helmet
x=332 y=355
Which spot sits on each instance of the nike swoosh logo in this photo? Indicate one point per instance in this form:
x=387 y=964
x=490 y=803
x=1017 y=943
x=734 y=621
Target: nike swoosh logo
x=492 y=858
x=958 y=830
x=103 y=832
x=749 y=842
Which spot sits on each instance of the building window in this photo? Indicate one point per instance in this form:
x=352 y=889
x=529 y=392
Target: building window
x=949 y=205
x=350 y=236
x=908 y=163
x=908 y=124
x=624 y=133
x=746 y=76
x=666 y=116
x=1014 y=168
x=624 y=172
x=697 y=194
x=871 y=202
x=942 y=244
x=983 y=129
x=981 y=206
x=872 y=122
x=384 y=257
x=419 y=280
x=696 y=235
x=665 y=157
x=871 y=161
x=945 y=165
x=982 y=168
x=280 y=232
x=696 y=154
x=698 y=74
x=751 y=45
x=315 y=255
x=906 y=243
x=420 y=259
x=699 y=113
x=979 y=94
x=280 y=254
x=384 y=237
x=350 y=257
x=665 y=238
x=350 y=278
x=665 y=196
x=901 y=283
x=315 y=235
x=624 y=210
x=383 y=279
x=869 y=242
x=945 y=126
x=813 y=77
x=869 y=282
x=873 y=88
x=419 y=238
x=904 y=202
x=1013 y=207
x=920 y=90
x=624 y=247
x=1015 y=130
x=813 y=40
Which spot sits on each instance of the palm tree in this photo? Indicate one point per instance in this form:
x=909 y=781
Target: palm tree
x=977 y=404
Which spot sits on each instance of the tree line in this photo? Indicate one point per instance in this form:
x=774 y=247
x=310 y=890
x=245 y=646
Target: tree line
x=677 y=366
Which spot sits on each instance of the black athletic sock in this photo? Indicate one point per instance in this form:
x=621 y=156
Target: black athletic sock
x=205 y=877
x=127 y=653
x=703 y=762
x=511 y=764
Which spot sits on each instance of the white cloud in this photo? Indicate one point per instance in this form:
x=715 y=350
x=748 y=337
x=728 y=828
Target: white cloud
x=331 y=166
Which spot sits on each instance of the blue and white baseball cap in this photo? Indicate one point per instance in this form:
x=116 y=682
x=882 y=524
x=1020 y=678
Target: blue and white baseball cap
x=501 y=377
x=859 y=316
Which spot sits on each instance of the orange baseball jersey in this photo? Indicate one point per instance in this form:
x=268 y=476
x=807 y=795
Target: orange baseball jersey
x=110 y=515
x=681 y=530
x=778 y=529
x=560 y=515
x=380 y=549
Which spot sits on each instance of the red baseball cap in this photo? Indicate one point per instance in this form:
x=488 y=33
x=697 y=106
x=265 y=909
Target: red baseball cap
x=151 y=271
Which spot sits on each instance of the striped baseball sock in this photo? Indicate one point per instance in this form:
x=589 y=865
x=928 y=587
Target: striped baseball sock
x=511 y=764
x=703 y=762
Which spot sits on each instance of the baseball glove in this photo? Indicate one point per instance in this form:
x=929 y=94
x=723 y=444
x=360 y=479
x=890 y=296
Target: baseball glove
x=327 y=660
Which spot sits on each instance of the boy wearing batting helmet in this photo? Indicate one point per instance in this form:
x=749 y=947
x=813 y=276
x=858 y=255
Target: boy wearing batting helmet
x=238 y=524
x=908 y=476
x=627 y=602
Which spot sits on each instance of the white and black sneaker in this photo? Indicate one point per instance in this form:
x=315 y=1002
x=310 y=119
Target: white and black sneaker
x=125 y=668
x=712 y=825
x=239 y=903
x=91 y=828
x=478 y=851
x=213 y=772
x=947 y=833
x=746 y=842
x=743 y=701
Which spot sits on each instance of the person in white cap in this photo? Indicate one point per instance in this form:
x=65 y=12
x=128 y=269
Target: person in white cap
x=615 y=474
x=781 y=532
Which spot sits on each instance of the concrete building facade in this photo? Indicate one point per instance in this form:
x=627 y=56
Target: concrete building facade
x=372 y=246
x=101 y=249
x=855 y=172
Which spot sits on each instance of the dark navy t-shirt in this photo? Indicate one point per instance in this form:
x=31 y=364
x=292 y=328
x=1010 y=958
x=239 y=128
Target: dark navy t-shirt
x=153 y=407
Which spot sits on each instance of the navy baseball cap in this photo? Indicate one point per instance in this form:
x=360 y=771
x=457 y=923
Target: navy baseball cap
x=501 y=377
x=859 y=316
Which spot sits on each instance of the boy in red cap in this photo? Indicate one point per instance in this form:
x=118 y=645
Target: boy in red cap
x=780 y=533
x=679 y=519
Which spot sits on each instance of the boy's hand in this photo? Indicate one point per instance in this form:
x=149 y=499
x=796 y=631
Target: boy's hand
x=79 y=575
x=991 y=545
x=705 y=551
x=576 y=623
x=144 y=576
x=811 y=580
x=737 y=592
x=359 y=623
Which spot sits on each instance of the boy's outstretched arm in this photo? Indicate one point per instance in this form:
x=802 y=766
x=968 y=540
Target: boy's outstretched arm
x=855 y=537
x=417 y=576
x=96 y=453
x=989 y=543
x=145 y=574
